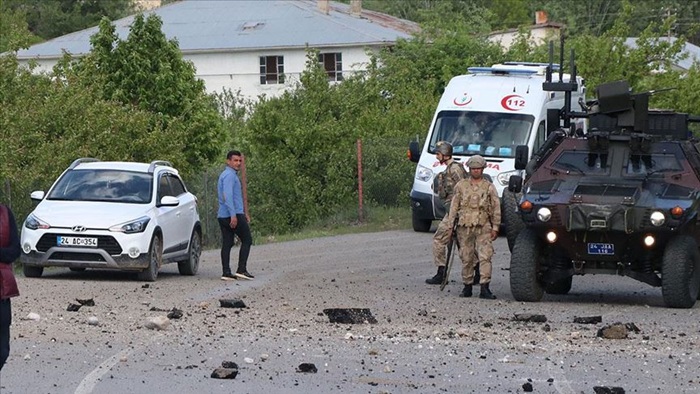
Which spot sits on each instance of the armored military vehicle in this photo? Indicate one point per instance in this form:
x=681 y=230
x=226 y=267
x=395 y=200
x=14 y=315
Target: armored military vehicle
x=622 y=199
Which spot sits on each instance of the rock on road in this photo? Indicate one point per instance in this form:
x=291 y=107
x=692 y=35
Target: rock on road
x=424 y=340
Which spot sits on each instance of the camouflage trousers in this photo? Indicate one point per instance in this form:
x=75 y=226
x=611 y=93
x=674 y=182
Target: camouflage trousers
x=475 y=245
x=440 y=241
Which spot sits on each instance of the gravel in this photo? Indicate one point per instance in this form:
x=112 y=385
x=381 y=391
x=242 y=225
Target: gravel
x=281 y=341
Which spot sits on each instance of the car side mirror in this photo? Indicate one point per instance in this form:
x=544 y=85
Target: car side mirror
x=413 y=151
x=169 y=201
x=521 y=156
x=37 y=195
x=515 y=184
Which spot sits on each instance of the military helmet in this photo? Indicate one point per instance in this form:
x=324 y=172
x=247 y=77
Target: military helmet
x=476 y=161
x=445 y=148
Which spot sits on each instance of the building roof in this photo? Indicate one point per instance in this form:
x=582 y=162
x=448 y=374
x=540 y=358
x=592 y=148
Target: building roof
x=690 y=51
x=242 y=25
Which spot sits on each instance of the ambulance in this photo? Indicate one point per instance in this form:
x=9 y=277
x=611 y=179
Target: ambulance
x=488 y=112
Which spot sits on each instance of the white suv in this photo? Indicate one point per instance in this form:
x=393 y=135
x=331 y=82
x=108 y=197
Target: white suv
x=114 y=215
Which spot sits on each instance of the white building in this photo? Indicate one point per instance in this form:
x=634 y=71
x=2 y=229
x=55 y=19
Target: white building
x=255 y=46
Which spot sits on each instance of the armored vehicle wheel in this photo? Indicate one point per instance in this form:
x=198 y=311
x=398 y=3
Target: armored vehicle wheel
x=680 y=272
x=512 y=220
x=562 y=286
x=525 y=261
x=421 y=225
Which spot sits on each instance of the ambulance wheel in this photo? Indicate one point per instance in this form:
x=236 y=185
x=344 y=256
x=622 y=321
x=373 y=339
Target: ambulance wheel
x=421 y=225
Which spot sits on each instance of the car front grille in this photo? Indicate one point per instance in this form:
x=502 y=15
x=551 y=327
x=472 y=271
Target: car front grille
x=105 y=242
x=70 y=256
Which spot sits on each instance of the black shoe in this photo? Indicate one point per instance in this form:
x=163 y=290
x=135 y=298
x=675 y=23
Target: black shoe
x=486 y=292
x=438 y=278
x=228 y=277
x=244 y=275
x=467 y=291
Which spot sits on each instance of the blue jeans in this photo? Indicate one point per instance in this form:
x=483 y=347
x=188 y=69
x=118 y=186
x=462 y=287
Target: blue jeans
x=5 y=321
x=227 y=237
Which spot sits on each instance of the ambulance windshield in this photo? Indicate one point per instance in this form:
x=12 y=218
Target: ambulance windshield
x=484 y=133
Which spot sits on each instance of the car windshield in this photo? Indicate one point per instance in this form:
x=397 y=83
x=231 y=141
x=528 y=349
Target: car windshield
x=103 y=185
x=484 y=133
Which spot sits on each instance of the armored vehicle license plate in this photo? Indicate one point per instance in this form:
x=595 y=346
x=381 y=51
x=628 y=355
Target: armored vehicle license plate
x=600 y=248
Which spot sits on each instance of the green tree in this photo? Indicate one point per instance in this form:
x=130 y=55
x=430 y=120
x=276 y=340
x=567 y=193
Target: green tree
x=14 y=32
x=147 y=71
x=53 y=18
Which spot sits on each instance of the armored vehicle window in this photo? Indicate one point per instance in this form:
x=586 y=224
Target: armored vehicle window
x=485 y=133
x=583 y=162
x=656 y=163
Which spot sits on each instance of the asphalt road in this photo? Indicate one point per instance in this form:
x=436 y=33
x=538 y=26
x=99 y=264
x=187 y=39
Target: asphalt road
x=424 y=341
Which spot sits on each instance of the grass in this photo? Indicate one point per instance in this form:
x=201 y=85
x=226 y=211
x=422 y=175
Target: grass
x=375 y=219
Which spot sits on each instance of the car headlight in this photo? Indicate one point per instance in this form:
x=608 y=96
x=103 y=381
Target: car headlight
x=136 y=226
x=544 y=214
x=424 y=173
x=657 y=218
x=33 y=223
x=504 y=177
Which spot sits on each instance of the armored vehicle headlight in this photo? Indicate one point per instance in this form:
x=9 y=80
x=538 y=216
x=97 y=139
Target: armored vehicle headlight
x=544 y=214
x=526 y=206
x=424 y=174
x=551 y=237
x=657 y=218
x=649 y=240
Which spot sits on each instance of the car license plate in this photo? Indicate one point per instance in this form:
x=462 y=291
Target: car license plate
x=77 y=241
x=599 y=248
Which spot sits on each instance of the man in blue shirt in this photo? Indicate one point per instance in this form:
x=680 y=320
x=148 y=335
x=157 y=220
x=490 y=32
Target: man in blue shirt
x=233 y=219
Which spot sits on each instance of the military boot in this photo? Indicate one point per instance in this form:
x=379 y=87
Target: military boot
x=467 y=291
x=437 y=279
x=486 y=292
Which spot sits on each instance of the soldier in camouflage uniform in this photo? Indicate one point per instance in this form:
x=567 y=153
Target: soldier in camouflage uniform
x=477 y=204
x=446 y=181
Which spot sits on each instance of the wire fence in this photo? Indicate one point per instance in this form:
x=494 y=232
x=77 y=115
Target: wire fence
x=385 y=180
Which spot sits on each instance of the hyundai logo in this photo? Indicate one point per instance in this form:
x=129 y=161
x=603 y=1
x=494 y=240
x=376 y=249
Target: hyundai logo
x=79 y=229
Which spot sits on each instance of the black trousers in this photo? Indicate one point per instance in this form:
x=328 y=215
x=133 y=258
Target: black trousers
x=242 y=230
x=5 y=321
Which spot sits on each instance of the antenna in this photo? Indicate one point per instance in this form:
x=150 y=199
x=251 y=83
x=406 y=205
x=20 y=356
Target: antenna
x=567 y=87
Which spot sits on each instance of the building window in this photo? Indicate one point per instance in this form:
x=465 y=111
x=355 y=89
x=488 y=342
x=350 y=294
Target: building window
x=271 y=70
x=333 y=64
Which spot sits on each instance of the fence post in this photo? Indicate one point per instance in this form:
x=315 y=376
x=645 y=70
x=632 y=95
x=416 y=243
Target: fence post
x=360 y=213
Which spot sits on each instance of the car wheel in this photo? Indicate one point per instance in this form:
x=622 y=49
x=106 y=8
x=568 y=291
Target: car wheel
x=511 y=218
x=525 y=262
x=155 y=260
x=562 y=286
x=421 y=225
x=191 y=265
x=680 y=272
x=31 y=271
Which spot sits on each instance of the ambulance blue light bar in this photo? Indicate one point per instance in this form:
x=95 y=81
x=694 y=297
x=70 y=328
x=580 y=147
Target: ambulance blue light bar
x=524 y=68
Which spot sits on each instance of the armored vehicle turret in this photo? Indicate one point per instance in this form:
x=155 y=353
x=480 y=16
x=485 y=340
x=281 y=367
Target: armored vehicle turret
x=622 y=199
